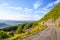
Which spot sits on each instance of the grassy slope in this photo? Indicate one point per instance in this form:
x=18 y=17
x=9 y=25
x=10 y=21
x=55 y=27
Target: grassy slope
x=54 y=13
x=35 y=27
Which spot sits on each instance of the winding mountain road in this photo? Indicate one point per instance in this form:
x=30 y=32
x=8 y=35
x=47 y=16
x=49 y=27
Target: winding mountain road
x=51 y=33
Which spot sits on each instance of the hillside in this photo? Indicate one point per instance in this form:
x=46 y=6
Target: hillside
x=53 y=14
x=52 y=20
x=52 y=17
x=32 y=28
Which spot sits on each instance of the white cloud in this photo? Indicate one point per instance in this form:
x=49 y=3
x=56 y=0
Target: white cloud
x=15 y=8
x=49 y=5
x=18 y=17
x=26 y=15
x=0 y=6
x=58 y=0
x=39 y=11
x=28 y=10
x=47 y=9
x=37 y=4
x=11 y=7
x=4 y=4
x=5 y=15
x=13 y=17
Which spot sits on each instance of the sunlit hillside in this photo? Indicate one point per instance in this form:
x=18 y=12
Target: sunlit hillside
x=26 y=30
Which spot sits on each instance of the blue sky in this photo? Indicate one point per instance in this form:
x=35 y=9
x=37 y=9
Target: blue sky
x=25 y=9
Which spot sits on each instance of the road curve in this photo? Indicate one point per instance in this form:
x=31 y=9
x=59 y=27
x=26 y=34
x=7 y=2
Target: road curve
x=51 y=33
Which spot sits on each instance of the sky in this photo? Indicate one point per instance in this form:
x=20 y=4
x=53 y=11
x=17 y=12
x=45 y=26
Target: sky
x=25 y=9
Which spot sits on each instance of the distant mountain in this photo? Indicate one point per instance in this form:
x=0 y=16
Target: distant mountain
x=52 y=18
x=5 y=23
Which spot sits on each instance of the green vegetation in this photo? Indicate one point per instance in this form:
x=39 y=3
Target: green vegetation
x=53 y=14
x=3 y=35
x=25 y=30
x=10 y=28
x=20 y=28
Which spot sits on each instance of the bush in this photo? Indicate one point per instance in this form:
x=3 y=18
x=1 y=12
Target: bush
x=11 y=33
x=3 y=35
x=20 y=28
x=27 y=26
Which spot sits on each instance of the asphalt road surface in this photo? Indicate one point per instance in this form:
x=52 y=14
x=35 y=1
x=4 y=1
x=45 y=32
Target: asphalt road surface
x=51 y=33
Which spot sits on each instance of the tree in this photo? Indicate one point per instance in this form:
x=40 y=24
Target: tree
x=20 y=27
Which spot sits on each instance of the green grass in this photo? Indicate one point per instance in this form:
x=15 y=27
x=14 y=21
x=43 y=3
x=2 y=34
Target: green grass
x=53 y=14
x=33 y=31
x=21 y=31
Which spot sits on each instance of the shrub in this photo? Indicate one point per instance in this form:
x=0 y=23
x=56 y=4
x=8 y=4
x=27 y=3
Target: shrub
x=11 y=33
x=3 y=35
x=19 y=29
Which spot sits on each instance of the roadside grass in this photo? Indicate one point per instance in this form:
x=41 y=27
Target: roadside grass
x=33 y=31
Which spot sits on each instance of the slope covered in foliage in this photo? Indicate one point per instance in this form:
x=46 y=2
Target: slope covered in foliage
x=25 y=30
x=54 y=13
